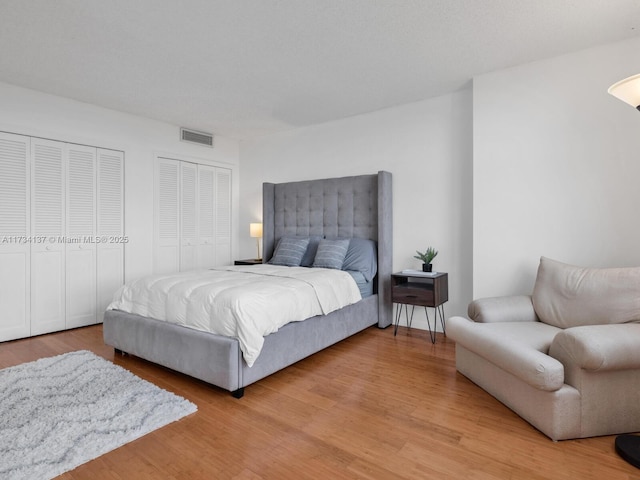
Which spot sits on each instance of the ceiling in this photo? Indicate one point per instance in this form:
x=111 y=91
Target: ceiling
x=244 y=68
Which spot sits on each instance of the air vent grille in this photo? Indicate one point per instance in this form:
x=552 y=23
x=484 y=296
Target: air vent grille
x=200 y=138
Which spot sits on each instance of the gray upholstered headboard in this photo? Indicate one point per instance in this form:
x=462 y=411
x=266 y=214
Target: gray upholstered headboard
x=359 y=206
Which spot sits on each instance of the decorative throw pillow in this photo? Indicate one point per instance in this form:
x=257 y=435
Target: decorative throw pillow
x=331 y=253
x=567 y=296
x=290 y=251
x=312 y=248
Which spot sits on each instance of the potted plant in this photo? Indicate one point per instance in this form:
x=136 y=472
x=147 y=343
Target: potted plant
x=426 y=257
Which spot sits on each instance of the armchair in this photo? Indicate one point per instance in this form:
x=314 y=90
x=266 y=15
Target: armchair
x=567 y=357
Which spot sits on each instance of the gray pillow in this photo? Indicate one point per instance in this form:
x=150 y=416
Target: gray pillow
x=290 y=251
x=312 y=248
x=331 y=253
x=361 y=257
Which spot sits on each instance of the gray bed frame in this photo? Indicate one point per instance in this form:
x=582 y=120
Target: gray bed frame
x=359 y=206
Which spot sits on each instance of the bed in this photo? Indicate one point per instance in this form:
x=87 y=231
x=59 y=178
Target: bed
x=337 y=208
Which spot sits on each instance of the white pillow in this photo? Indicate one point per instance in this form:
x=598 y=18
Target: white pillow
x=567 y=296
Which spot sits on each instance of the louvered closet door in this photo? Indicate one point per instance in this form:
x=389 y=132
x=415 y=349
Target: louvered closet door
x=47 y=223
x=167 y=213
x=110 y=229
x=223 y=216
x=188 y=216
x=14 y=236
x=192 y=216
x=80 y=246
x=207 y=216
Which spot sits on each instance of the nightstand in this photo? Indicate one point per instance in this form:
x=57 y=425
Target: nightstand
x=420 y=289
x=248 y=261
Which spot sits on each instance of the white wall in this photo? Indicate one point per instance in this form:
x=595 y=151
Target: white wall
x=427 y=148
x=556 y=165
x=32 y=113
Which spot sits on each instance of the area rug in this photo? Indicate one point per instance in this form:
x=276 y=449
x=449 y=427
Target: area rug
x=60 y=412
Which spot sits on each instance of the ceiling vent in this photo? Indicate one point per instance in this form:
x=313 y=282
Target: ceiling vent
x=201 y=138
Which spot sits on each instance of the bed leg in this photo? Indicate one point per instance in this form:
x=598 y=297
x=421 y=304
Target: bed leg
x=238 y=393
x=117 y=351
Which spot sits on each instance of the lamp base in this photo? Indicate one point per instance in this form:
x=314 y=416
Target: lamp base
x=628 y=447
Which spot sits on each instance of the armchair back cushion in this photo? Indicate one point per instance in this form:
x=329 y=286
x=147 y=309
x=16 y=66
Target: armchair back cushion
x=568 y=296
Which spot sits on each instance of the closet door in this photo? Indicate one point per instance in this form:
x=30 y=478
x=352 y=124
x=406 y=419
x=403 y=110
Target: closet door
x=80 y=241
x=14 y=236
x=47 y=223
x=206 y=216
x=192 y=216
x=188 y=216
x=223 y=216
x=110 y=227
x=167 y=213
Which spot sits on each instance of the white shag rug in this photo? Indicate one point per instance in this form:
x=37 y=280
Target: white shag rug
x=60 y=412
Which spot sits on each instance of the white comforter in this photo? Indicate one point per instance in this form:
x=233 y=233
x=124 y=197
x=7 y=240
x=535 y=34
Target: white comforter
x=246 y=302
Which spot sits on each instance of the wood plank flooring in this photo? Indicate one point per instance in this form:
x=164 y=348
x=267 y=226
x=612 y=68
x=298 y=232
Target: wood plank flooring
x=374 y=406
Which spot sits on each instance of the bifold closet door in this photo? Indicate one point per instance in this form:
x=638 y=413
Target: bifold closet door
x=80 y=238
x=61 y=234
x=215 y=216
x=207 y=216
x=167 y=216
x=188 y=216
x=192 y=216
x=47 y=224
x=223 y=216
x=15 y=239
x=110 y=227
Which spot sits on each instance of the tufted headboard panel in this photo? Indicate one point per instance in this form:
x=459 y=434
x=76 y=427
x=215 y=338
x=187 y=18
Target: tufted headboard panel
x=358 y=206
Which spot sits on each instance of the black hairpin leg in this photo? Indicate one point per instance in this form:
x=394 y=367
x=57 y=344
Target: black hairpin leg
x=409 y=319
x=432 y=333
x=439 y=310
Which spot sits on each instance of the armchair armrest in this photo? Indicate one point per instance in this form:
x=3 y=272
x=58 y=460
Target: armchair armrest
x=514 y=308
x=599 y=347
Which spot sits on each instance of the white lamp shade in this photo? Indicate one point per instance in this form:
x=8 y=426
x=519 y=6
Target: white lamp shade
x=627 y=90
x=255 y=230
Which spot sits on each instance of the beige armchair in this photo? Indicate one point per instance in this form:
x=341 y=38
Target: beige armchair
x=567 y=358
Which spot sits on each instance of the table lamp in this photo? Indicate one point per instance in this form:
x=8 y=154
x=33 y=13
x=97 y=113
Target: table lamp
x=255 y=231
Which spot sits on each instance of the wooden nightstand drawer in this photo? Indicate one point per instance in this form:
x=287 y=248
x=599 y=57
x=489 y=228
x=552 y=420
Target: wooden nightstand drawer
x=413 y=295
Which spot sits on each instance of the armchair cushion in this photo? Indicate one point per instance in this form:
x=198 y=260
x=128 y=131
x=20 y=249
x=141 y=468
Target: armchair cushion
x=517 y=347
x=567 y=296
x=599 y=347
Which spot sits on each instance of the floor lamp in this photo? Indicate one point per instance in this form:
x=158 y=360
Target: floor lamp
x=628 y=90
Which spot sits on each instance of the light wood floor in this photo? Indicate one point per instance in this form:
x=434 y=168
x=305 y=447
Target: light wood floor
x=374 y=406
